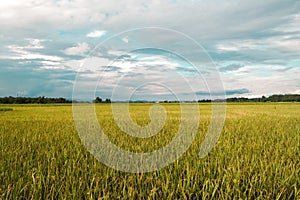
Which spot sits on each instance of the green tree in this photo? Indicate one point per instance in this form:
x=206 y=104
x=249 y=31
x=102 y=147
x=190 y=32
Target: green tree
x=98 y=100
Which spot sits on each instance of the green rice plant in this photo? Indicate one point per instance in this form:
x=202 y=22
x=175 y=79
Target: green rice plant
x=256 y=156
x=6 y=109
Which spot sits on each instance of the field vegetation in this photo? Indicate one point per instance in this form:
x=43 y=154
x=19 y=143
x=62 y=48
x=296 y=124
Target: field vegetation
x=256 y=157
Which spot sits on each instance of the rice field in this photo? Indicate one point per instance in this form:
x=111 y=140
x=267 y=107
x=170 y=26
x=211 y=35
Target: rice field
x=256 y=156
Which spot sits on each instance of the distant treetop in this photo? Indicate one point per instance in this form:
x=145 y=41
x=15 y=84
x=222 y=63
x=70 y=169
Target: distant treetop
x=32 y=100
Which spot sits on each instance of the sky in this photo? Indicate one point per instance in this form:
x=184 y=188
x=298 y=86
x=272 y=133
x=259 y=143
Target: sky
x=155 y=50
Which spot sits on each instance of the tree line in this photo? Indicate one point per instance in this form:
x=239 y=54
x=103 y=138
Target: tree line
x=32 y=100
x=49 y=100
x=272 y=98
x=99 y=100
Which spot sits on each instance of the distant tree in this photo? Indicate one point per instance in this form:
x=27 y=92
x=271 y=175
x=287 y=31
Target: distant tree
x=97 y=100
x=204 y=101
x=32 y=100
x=107 y=101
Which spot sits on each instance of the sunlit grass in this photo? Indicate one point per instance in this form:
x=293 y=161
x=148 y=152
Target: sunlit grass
x=257 y=155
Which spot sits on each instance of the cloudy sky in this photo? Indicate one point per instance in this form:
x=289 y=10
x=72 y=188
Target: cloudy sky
x=149 y=49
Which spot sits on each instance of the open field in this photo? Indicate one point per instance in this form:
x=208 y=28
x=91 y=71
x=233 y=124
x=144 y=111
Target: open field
x=257 y=155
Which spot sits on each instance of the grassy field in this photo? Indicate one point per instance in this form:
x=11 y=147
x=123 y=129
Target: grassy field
x=256 y=157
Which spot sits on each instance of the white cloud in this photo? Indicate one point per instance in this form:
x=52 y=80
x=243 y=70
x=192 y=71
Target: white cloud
x=279 y=43
x=288 y=45
x=117 y=52
x=47 y=62
x=238 y=45
x=252 y=35
x=263 y=80
x=96 y=34
x=297 y=92
x=223 y=47
x=35 y=44
x=293 y=26
x=52 y=64
x=192 y=17
x=80 y=49
x=32 y=56
x=23 y=52
x=125 y=39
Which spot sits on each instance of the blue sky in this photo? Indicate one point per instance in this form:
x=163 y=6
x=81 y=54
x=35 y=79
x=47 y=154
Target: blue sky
x=47 y=47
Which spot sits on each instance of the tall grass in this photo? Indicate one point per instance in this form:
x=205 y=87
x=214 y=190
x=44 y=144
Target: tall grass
x=256 y=157
x=6 y=109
